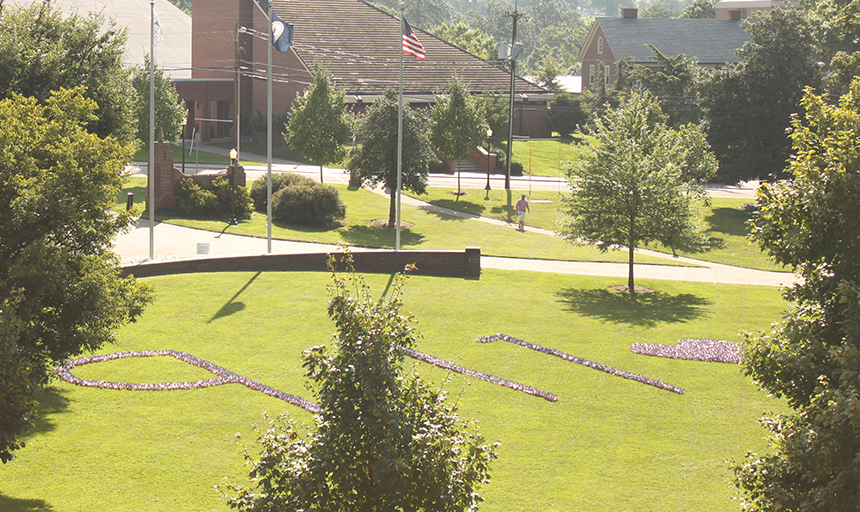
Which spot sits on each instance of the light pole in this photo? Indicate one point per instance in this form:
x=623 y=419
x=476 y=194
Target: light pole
x=234 y=162
x=489 y=135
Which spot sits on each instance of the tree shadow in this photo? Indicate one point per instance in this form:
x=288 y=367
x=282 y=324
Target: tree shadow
x=232 y=306
x=506 y=211
x=462 y=206
x=52 y=402
x=731 y=221
x=10 y=504
x=647 y=310
x=369 y=236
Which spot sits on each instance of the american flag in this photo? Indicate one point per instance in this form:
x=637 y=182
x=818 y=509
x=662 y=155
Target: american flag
x=411 y=44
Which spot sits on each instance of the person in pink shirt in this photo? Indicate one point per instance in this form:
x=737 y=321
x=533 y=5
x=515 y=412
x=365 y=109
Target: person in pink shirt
x=522 y=208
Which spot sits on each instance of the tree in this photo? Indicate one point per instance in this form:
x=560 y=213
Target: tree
x=473 y=40
x=674 y=82
x=376 y=161
x=319 y=123
x=547 y=74
x=749 y=105
x=659 y=11
x=458 y=124
x=169 y=111
x=810 y=223
x=41 y=52
x=837 y=32
x=385 y=439
x=701 y=9
x=59 y=282
x=566 y=113
x=630 y=186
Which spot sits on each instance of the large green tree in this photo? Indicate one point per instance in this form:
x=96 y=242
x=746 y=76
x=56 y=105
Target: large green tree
x=40 y=52
x=169 y=111
x=631 y=185
x=811 y=223
x=385 y=440
x=749 y=105
x=674 y=81
x=319 y=124
x=60 y=290
x=473 y=40
x=458 y=124
x=376 y=160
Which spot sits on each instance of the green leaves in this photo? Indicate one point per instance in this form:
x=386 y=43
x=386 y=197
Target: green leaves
x=59 y=282
x=811 y=358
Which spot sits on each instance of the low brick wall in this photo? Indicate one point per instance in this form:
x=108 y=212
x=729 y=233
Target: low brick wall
x=465 y=263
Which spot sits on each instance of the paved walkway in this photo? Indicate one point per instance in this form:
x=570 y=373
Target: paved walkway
x=172 y=242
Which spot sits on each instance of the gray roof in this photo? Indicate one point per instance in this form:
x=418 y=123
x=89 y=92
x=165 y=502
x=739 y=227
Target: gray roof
x=173 y=54
x=711 y=41
x=360 y=46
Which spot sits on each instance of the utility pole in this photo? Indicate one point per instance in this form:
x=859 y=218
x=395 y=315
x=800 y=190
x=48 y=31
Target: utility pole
x=516 y=15
x=237 y=88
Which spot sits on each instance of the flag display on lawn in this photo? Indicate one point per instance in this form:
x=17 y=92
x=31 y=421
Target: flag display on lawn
x=411 y=44
x=282 y=34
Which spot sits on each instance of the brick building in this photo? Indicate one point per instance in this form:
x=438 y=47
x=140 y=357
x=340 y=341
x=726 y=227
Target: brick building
x=359 y=45
x=712 y=42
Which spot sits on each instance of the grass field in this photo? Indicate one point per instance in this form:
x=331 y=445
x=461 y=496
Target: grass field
x=429 y=231
x=545 y=157
x=607 y=444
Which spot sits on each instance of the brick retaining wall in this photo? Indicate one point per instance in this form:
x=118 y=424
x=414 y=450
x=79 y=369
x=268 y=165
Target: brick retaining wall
x=465 y=263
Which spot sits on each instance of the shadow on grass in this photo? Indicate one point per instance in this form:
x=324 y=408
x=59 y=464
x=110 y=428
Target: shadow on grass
x=647 y=310
x=232 y=306
x=730 y=221
x=10 y=504
x=368 y=236
x=505 y=213
x=52 y=402
x=462 y=206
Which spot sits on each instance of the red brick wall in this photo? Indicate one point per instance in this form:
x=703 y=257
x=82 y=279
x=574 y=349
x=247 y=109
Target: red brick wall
x=465 y=263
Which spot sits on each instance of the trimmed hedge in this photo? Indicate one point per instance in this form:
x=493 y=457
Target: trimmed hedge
x=310 y=204
x=279 y=181
x=196 y=201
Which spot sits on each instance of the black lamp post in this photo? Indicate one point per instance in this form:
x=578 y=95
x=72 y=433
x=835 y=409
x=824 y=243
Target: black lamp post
x=234 y=161
x=489 y=134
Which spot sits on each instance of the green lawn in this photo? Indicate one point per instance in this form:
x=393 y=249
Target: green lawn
x=430 y=231
x=724 y=221
x=607 y=444
x=545 y=157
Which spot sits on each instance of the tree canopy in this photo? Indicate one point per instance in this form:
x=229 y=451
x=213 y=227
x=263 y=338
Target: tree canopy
x=811 y=223
x=319 y=124
x=385 y=439
x=376 y=161
x=169 y=111
x=41 y=52
x=631 y=185
x=458 y=124
x=59 y=282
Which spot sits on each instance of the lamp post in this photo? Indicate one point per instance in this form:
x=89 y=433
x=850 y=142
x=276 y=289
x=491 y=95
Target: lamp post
x=234 y=161
x=489 y=134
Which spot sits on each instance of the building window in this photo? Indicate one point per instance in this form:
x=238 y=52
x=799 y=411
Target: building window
x=591 y=74
x=606 y=71
x=599 y=45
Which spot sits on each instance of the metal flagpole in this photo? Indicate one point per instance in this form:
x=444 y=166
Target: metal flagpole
x=399 y=132
x=269 y=136
x=151 y=170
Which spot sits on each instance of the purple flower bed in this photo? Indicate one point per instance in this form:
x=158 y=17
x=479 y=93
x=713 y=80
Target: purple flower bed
x=578 y=360
x=448 y=365
x=694 y=350
x=225 y=376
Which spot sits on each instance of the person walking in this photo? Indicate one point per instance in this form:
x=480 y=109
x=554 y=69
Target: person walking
x=522 y=208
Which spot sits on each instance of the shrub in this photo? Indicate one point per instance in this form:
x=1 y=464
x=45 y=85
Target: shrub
x=193 y=200
x=436 y=166
x=310 y=204
x=279 y=181
x=516 y=169
x=237 y=197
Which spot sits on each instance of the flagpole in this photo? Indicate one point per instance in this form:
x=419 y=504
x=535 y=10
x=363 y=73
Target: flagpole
x=151 y=164
x=269 y=136
x=399 y=132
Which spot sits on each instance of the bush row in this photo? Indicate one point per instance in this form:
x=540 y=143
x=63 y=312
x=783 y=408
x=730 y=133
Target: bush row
x=196 y=201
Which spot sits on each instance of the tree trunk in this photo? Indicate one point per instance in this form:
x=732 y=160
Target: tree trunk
x=392 y=208
x=630 y=286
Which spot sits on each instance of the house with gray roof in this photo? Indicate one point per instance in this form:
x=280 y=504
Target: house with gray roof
x=711 y=42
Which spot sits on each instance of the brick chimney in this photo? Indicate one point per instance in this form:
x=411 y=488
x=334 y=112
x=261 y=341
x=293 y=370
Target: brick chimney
x=630 y=13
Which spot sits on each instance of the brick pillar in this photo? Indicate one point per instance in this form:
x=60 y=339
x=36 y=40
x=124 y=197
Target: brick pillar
x=163 y=180
x=472 y=266
x=239 y=177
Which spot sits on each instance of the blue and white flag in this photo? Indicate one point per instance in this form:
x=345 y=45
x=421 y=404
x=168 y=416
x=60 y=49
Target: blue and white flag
x=282 y=34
